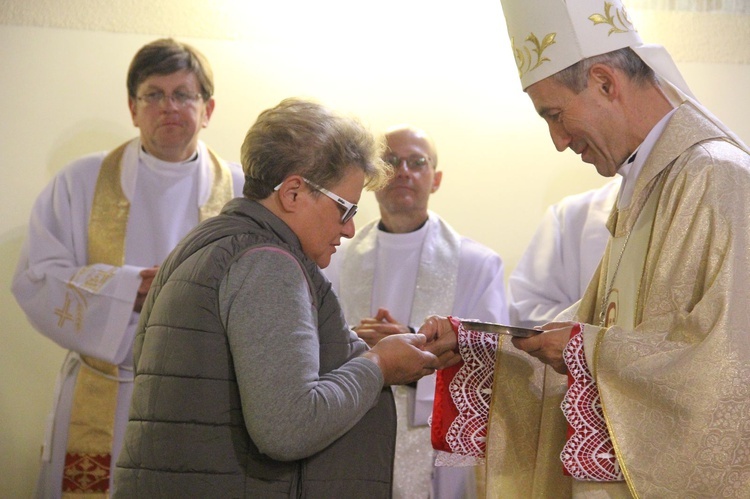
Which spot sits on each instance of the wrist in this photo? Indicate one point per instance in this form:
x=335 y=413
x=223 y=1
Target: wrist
x=375 y=359
x=455 y=323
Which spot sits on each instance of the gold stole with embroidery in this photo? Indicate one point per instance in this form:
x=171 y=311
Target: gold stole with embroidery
x=88 y=456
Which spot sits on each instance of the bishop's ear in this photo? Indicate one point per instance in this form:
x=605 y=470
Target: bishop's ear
x=605 y=80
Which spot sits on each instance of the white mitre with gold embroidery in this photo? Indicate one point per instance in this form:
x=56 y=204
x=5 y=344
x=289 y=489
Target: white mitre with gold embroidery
x=548 y=36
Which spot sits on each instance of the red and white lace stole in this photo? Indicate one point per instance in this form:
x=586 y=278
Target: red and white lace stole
x=462 y=400
x=588 y=454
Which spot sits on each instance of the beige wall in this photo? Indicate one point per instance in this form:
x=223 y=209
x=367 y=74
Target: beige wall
x=62 y=94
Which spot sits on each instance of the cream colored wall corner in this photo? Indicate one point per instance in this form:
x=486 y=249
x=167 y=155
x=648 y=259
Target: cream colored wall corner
x=711 y=37
x=448 y=70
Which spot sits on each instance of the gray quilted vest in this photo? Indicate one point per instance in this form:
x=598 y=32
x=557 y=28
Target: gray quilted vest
x=186 y=435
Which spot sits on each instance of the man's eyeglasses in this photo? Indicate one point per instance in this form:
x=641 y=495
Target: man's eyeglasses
x=182 y=99
x=414 y=163
x=348 y=209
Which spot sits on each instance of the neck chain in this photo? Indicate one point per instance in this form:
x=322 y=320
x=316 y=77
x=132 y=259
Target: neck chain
x=608 y=289
x=605 y=298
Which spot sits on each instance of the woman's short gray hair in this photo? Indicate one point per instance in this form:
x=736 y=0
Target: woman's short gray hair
x=305 y=138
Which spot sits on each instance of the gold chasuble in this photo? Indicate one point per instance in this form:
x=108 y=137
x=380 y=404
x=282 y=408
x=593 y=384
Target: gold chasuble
x=672 y=363
x=618 y=307
x=88 y=458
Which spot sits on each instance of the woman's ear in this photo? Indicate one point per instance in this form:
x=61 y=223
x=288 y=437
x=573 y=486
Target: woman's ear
x=288 y=192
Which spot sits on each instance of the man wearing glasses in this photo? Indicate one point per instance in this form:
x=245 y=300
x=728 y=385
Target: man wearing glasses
x=97 y=235
x=400 y=269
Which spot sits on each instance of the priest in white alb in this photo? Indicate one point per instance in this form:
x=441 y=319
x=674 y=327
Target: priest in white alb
x=402 y=268
x=97 y=234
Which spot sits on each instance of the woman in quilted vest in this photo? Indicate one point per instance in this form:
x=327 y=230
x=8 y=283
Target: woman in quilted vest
x=249 y=383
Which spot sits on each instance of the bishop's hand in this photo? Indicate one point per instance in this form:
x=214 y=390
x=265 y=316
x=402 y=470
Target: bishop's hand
x=548 y=347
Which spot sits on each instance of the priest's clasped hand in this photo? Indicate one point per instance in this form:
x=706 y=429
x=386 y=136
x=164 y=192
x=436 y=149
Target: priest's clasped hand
x=374 y=329
x=147 y=278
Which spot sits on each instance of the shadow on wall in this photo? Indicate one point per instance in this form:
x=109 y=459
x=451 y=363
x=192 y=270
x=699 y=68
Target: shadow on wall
x=559 y=185
x=28 y=368
x=86 y=137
